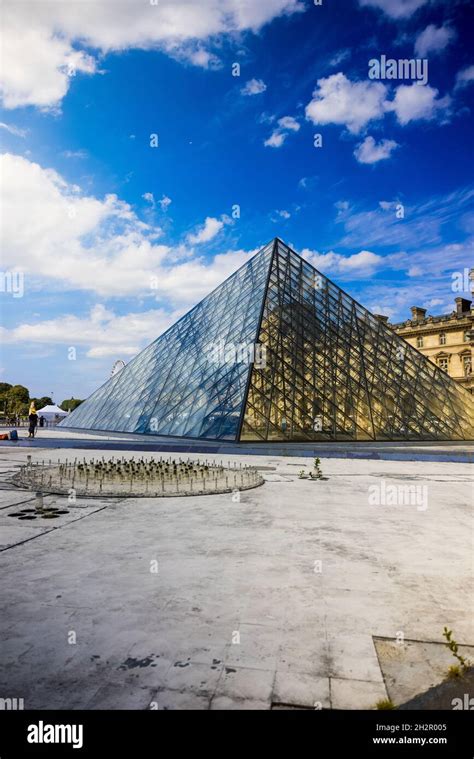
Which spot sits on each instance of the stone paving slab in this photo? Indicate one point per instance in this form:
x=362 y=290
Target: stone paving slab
x=224 y=703
x=412 y=667
x=246 y=683
x=456 y=694
x=14 y=534
x=207 y=602
x=121 y=696
x=15 y=530
x=9 y=497
x=174 y=700
x=355 y=694
x=303 y=689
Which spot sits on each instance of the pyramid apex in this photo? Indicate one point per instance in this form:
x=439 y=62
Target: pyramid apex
x=278 y=352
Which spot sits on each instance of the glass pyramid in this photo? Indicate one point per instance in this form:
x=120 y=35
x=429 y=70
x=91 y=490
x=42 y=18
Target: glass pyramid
x=279 y=353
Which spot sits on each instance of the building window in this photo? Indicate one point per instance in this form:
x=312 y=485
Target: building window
x=466 y=365
x=419 y=342
x=442 y=338
x=443 y=363
x=467 y=336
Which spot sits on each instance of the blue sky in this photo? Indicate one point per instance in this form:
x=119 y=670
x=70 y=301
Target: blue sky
x=115 y=239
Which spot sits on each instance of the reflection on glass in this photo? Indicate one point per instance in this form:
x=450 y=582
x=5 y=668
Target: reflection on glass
x=327 y=369
x=336 y=372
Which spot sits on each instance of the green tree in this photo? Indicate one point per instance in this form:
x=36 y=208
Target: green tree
x=18 y=398
x=44 y=401
x=71 y=404
x=4 y=388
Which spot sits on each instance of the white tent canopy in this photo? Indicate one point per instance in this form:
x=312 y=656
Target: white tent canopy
x=51 y=413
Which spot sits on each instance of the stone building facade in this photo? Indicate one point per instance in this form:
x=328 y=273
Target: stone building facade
x=447 y=340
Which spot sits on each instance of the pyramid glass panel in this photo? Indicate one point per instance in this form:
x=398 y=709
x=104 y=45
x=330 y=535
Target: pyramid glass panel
x=187 y=382
x=336 y=372
x=328 y=369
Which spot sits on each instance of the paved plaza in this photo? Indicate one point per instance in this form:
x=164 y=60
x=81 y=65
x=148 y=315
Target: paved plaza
x=276 y=597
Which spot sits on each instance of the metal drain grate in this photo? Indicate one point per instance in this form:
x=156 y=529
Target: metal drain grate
x=45 y=512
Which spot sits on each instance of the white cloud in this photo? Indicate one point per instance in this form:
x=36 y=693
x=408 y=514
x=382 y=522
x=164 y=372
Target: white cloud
x=198 y=56
x=12 y=129
x=365 y=260
x=432 y=302
x=286 y=125
x=433 y=39
x=148 y=196
x=464 y=77
x=254 y=87
x=74 y=153
x=266 y=118
x=431 y=287
x=35 y=61
x=58 y=236
x=395 y=8
x=283 y=214
x=337 y=100
x=306 y=183
x=370 y=151
x=42 y=41
x=165 y=202
x=208 y=231
x=339 y=57
x=276 y=139
x=343 y=209
x=422 y=225
x=358 y=264
x=413 y=102
x=288 y=122
x=100 y=333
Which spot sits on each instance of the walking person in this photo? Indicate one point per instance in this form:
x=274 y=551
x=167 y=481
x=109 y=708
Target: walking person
x=33 y=420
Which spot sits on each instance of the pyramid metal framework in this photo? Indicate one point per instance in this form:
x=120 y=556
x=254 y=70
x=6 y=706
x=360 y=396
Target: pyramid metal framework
x=278 y=352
